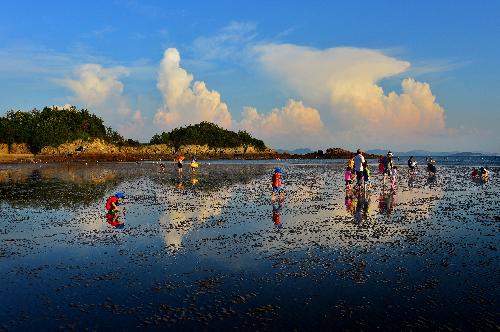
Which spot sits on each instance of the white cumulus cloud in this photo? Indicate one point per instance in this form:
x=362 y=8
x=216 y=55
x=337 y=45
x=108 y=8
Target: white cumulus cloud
x=101 y=90
x=284 y=127
x=95 y=84
x=186 y=102
x=344 y=84
x=134 y=126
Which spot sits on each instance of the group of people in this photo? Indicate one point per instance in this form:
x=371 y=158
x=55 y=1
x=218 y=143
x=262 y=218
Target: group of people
x=431 y=167
x=358 y=171
x=480 y=174
x=180 y=165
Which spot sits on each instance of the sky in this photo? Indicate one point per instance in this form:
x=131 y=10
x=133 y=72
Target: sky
x=400 y=75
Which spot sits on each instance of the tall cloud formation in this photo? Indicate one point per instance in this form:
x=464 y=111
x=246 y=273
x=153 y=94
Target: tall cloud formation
x=293 y=122
x=344 y=83
x=186 y=102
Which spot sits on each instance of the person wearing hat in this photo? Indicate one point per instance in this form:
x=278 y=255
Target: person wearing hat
x=276 y=182
x=194 y=164
x=359 y=160
x=388 y=165
x=113 y=202
x=180 y=164
x=431 y=168
x=412 y=165
x=485 y=174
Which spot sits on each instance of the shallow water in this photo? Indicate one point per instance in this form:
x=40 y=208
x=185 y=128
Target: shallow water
x=209 y=250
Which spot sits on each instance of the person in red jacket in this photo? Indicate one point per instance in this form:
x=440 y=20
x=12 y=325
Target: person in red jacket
x=113 y=202
x=381 y=165
x=277 y=186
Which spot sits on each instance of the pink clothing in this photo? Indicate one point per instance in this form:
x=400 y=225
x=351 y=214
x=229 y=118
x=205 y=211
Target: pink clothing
x=393 y=179
x=348 y=175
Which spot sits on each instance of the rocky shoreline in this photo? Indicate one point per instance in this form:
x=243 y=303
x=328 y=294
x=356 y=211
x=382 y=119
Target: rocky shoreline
x=331 y=153
x=99 y=150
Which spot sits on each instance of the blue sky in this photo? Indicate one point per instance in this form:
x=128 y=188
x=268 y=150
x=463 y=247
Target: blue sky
x=447 y=53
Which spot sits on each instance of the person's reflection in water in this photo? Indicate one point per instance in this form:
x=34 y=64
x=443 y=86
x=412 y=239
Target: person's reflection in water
x=113 y=218
x=411 y=180
x=180 y=182
x=431 y=180
x=350 y=201
x=366 y=208
x=194 y=177
x=362 y=209
x=386 y=202
x=277 y=215
x=35 y=176
x=357 y=212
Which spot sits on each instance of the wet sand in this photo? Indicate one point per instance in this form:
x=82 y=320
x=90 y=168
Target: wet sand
x=15 y=158
x=209 y=251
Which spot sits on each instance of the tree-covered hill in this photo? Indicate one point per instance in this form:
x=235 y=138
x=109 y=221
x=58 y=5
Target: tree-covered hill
x=52 y=126
x=209 y=134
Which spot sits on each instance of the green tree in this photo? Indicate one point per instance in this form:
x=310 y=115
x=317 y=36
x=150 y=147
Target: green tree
x=207 y=133
x=51 y=127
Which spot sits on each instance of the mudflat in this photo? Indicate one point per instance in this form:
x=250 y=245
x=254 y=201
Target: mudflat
x=208 y=250
x=10 y=158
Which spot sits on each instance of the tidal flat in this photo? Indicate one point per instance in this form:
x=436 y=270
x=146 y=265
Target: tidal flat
x=207 y=250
